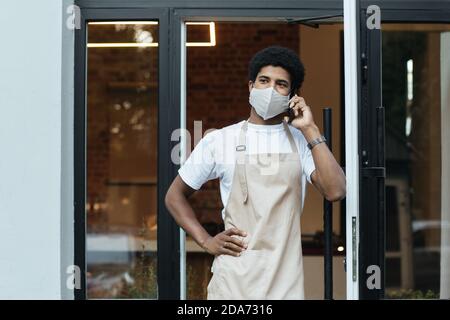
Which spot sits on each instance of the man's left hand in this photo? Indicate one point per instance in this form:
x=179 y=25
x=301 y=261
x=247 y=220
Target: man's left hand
x=300 y=115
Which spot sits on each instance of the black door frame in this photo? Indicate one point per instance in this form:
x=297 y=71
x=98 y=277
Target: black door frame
x=168 y=263
x=371 y=163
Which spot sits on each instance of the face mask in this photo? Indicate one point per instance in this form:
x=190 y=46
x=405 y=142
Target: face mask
x=267 y=102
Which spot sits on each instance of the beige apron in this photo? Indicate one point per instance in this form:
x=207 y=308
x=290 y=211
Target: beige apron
x=265 y=201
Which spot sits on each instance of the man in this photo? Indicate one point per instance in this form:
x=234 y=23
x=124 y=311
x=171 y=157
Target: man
x=263 y=164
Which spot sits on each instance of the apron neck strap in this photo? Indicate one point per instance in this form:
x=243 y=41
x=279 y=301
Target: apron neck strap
x=242 y=136
x=290 y=137
x=240 y=161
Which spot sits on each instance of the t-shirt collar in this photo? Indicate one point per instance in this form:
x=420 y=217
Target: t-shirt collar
x=265 y=127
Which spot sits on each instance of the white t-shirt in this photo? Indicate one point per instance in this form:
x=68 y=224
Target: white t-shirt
x=214 y=156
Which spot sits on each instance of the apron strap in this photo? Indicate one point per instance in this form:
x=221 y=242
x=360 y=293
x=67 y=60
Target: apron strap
x=240 y=161
x=290 y=137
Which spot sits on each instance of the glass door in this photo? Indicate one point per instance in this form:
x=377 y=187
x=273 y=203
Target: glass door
x=404 y=211
x=416 y=64
x=120 y=244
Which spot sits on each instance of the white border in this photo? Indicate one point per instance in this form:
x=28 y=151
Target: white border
x=351 y=140
x=183 y=153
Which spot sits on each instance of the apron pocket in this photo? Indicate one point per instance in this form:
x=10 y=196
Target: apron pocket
x=243 y=277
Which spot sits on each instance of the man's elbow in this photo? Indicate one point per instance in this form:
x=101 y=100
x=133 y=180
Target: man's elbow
x=175 y=195
x=336 y=195
x=169 y=199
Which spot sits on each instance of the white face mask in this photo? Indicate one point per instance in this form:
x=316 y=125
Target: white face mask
x=267 y=102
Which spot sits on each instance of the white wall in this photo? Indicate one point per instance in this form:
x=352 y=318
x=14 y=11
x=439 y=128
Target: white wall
x=36 y=94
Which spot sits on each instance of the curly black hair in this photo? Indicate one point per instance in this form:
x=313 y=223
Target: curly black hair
x=278 y=57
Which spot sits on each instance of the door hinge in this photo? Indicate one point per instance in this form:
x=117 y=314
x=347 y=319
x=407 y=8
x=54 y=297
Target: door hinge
x=364 y=67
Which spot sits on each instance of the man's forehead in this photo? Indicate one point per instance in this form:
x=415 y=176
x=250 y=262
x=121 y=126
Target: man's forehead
x=275 y=72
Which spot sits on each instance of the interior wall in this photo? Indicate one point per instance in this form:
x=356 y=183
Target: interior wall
x=320 y=52
x=314 y=279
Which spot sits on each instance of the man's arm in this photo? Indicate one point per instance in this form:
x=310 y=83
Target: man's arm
x=177 y=203
x=328 y=178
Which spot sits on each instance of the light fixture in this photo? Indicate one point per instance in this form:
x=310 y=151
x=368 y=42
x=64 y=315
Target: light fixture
x=211 y=43
x=409 y=79
x=123 y=22
x=409 y=95
x=212 y=35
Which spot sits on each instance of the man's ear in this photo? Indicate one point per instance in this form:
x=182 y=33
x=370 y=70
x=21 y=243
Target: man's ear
x=250 y=85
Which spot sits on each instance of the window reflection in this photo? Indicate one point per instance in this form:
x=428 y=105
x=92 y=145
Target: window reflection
x=121 y=206
x=416 y=210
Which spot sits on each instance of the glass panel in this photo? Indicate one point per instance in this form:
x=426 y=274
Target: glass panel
x=121 y=208
x=415 y=95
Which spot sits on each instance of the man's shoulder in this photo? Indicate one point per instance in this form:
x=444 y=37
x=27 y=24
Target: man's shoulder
x=231 y=129
x=222 y=137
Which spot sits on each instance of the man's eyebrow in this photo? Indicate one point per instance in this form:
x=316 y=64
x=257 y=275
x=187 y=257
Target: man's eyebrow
x=278 y=80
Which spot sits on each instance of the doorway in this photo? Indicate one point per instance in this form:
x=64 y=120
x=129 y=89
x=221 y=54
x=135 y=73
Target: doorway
x=217 y=96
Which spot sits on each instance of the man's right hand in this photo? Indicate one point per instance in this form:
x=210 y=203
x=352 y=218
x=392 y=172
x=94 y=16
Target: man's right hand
x=225 y=243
